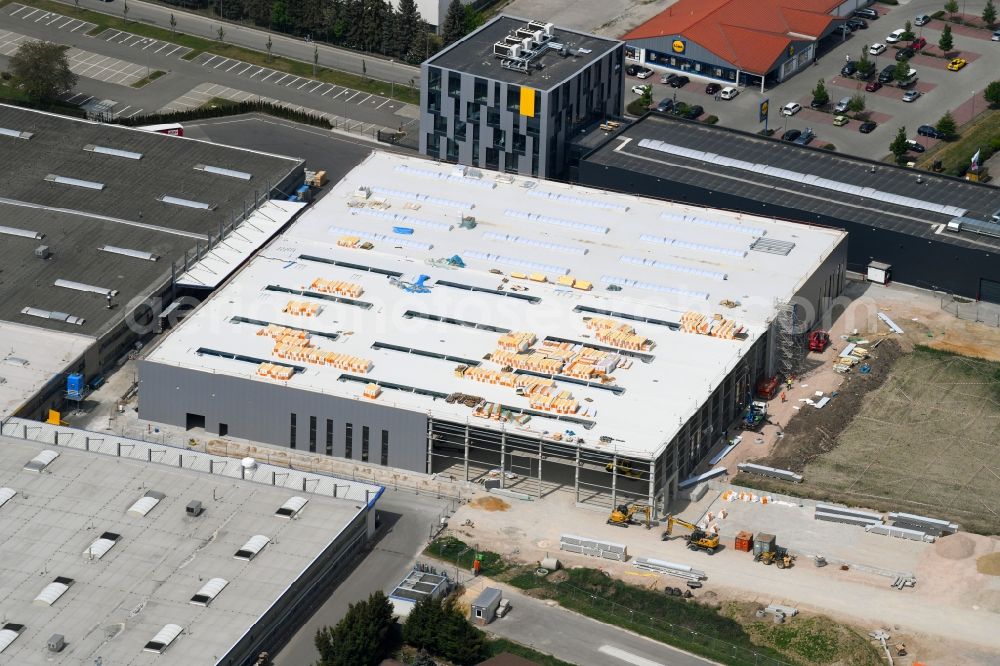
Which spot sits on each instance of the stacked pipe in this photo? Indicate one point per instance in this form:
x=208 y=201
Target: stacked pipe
x=669 y=568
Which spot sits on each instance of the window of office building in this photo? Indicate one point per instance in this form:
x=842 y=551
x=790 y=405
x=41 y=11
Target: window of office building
x=349 y=441
x=480 y=91
x=385 y=447
x=433 y=78
x=454 y=84
x=364 y=443
x=291 y=433
x=312 y=434
x=329 y=437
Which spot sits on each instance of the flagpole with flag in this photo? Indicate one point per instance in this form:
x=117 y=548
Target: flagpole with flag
x=975 y=161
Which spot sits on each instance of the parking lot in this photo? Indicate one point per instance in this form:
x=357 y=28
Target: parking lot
x=84 y=63
x=137 y=42
x=49 y=19
x=329 y=91
x=942 y=90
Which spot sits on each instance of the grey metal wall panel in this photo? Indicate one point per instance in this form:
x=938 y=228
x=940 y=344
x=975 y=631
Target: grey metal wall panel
x=259 y=410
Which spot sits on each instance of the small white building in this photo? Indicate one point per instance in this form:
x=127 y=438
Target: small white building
x=419 y=584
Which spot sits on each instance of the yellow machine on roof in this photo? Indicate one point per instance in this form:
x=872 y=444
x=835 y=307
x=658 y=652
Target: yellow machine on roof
x=699 y=539
x=624 y=515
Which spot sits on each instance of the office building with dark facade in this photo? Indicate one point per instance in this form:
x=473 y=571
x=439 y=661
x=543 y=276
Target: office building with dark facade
x=510 y=95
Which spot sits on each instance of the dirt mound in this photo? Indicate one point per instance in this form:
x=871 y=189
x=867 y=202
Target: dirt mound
x=490 y=504
x=954 y=547
x=813 y=432
x=558 y=576
x=989 y=564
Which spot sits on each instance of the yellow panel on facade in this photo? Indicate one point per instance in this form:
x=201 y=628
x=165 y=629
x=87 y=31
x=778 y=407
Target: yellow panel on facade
x=527 y=101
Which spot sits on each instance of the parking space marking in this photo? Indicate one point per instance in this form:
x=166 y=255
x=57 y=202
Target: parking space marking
x=80 y=25
x=362 y=101
x=224 y=61
x=32 y=13
x=356 y=93
x=292 y=81
x=282 y=78
x=382 y=104
x=175 y=49
x=268 y=76
x=324 y=93
x=18 y=10
x=304 y=84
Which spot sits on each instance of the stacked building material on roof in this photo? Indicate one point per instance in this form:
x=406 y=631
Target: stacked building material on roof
x=842 y=514
x=714 y=325
x=929 y=525
x=593 y=547
x=668 y=568
x=763 y=470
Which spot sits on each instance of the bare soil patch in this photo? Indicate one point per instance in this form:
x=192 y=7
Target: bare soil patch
x=989 y=564
x=490 y=504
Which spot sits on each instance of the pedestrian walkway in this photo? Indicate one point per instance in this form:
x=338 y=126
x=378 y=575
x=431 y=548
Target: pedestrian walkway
x=328 y=91
x=147 y=44
x=55 y=21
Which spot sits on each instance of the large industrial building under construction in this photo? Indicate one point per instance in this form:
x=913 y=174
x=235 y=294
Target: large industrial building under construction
x=441 y=319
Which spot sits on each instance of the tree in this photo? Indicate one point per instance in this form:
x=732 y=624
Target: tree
x=315 y=58
x=946 y=43
x=951 y=6
x=173 y=25
x=989 y=13
x=221 y=33
x=359 y=639
x=907 y=32
x=453 y=28
x=857 y=103
x=647 y=96
x=442 y=629
x=901 y=71
x=820 y=93
x=408 y=28
x=269 y=46
x=946 y=125
x=41 y=69
x=992 y=93
x=865 y=63
x=898 y=147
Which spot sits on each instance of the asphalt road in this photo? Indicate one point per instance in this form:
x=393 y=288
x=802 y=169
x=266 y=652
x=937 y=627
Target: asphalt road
x=367 y=112
x=253 y=38
x=581 y=640
x=406 y=519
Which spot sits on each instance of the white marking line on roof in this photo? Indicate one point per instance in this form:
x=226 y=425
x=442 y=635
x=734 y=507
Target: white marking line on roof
x=628 y=657
x=108 y=218
x=18 y=10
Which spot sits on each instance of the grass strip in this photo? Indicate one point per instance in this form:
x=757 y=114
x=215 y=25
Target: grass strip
x=146 y=80
x=980 y=133
x=198 y=45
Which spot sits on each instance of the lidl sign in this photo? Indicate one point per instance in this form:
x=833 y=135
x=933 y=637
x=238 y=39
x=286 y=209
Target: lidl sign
x=678 y=46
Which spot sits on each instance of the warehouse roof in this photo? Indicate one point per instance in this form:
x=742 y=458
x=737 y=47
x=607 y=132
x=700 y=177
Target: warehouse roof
x=474 y=54
x=808 y=179
x=132 y=575
x=31 y=358
x=76 y=186
x=751 y=34
x=647 y=264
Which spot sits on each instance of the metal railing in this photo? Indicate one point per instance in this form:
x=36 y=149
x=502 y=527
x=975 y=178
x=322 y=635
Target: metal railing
x=970 y=310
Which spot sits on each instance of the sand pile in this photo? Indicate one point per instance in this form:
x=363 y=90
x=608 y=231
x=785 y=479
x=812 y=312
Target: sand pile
x=989 y=564
x=490 y=504
x=954 y=547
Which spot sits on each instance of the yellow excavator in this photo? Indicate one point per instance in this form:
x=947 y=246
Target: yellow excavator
x=699 y=539
x=779 y=556
x=624 y=515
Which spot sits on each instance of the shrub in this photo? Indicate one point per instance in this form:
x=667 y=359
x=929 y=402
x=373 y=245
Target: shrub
x=636 y=108
x=829 y=146
x=711 y=120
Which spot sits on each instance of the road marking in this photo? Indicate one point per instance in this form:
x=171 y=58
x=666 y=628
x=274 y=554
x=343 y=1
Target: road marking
x=236 y=63
x=244 y=70
x=152 y=43
x=318 y=85
x=68 y=21
x=18 y=10
x=171 y=52
x=70 y=100
x=205 y=64
x=29 y=14
x=282 y=78
x=79 y=25
x=259 y=70
x=134 y=113
x=628 y=657
x=362 y=101
x=352 y=96
x=269 y=76
x=57 y=17
x=127 y=38
x=110 y=37
x=221 y=63
x=293 y=81
x=165 y=45
x=90 y=97
x=381 y=105
x=118 y=113
x=307 y=82
x=327 y=90
x=42 y=17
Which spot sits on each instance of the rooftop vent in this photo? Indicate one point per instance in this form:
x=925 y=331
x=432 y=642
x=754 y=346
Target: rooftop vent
x=23 y=233
x=219 y=171
x=16 y=134
x=79 y=286
x=126 y=252
x=145 y=504
x=58 y=316
x=114 y=152
x=6 y=494
x=102 y=545
x=56 y=643
x=291 y=508
x=209 y=591
x=162 y=640
x=9 y=633
x=75 y=182
x=43 y=252
x=41 y=461
x=252 y=547
x=194 y=508
x=186 y=203
x=51 y=592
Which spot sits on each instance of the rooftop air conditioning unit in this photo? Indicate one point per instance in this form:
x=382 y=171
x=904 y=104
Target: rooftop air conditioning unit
x=194 y=508
x=526 y=43
x=43 y=252
x=56 y=643
x=954 y=226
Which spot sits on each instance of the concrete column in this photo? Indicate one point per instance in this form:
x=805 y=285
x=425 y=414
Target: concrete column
x=466 y=462
x=576 y=477
x=614 y=481
x=430 y=445
x=539 y=468
x=652 y=486
x=503 y=455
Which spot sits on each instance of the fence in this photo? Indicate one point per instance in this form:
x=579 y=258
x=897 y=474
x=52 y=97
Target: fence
x=657 y=628
x=979 y=311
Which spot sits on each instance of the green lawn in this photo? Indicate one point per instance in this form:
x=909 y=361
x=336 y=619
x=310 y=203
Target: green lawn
x=954 y=154
x=146 y=80
x=199 y=45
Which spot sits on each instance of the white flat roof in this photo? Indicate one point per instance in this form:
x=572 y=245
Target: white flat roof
x=118 y=603
x=667 y=260
x=32 y=357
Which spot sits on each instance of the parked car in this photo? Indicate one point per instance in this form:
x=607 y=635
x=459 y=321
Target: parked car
x=873 y=86
x=842 y=105
x=895 y=36
x=918 y=43
x=667 y=78
x=849 y=69
x=923 y=19
x=911 y=144
x=996 y=36
x=843 y=29
x=791 y=109
x=816 y=104
x=929 y=130
x=885 y=76
x=639 y=90
x=679 y=82
x=905 y=54
x=712 y=88
x=867 y=127
x=911 y=95
x=866 y=13
x=694 y=111
x=858 y=23
x=644 y=73
x=632 y=70
x=806 y=136
x=729 y=92
x=957 y=64
x=850 y=26
x=665 y=105
x=840 y=121
x=877 y=48
x=791 y=135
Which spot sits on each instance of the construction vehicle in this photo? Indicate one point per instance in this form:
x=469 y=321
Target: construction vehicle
x=624 y=469
x=819 y=341
x=698 y=539
x=767 y=551
x=755 y=416
x=624 y=515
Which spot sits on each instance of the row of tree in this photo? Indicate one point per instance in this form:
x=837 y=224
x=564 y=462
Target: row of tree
x=989 y=14
x=436 y=627
x=366 y=25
